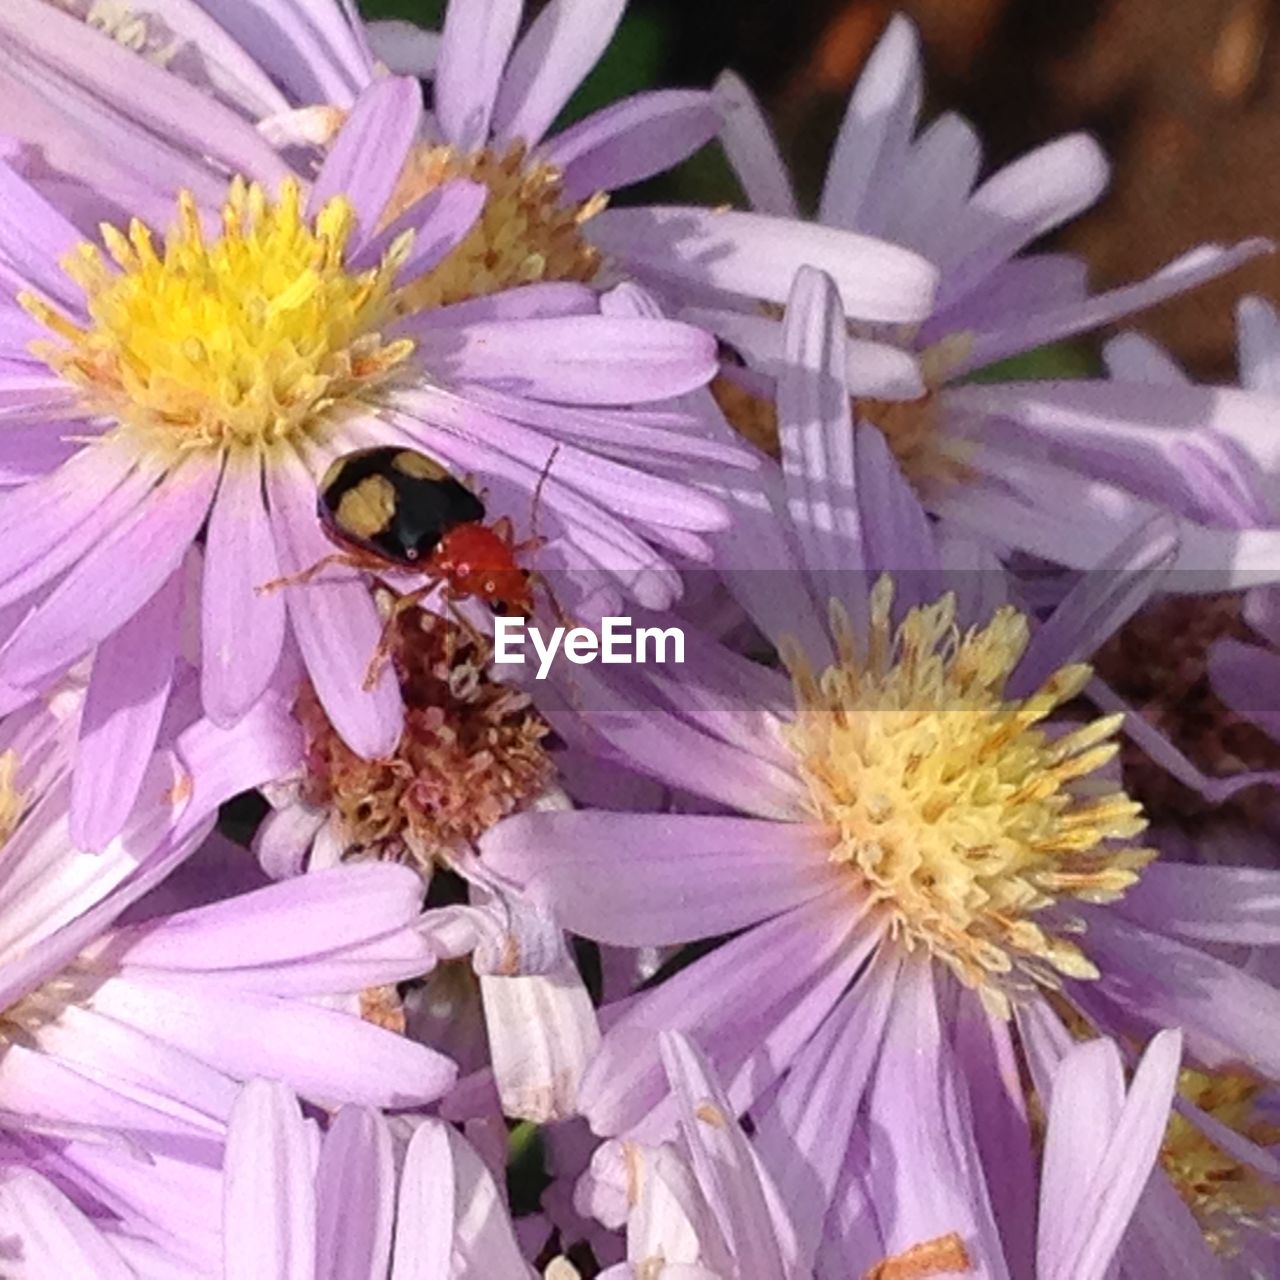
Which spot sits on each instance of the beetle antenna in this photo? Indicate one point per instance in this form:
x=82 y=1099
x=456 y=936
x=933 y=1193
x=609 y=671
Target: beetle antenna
x=537 y=492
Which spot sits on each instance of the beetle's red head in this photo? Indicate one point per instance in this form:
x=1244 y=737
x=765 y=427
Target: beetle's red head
x=477 y=561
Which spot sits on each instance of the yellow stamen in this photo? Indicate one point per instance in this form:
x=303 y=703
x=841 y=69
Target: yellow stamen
x=527 y=233
x=959 y=813
x=1225 y=1195
x=245 y=339
x=383 y=1007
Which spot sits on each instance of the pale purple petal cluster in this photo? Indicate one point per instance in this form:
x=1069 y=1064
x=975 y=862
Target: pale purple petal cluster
x=891 y=920
x=1063 y=471
x=710 y=1200
x=501 y=386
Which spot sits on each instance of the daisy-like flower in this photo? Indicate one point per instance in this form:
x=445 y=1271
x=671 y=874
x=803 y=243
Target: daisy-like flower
x=293 y=77
x=158 y=387
x=131 y=1012
x=906 y=830
x=708 y=1201
x=495 y=101
x=1195 y=666
x=350 y=1201
x=1065 y=470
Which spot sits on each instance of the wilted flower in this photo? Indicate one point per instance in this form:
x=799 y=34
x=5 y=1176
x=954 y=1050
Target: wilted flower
x=473 y=750
x=471 y=753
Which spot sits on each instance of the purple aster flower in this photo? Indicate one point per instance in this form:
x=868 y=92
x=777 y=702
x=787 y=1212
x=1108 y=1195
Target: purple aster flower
x=354 y=1200
x=124 y=1045
x=1242 y=670
x=1065 y=470
x=1186 y=663
x=293 y=77
x=902 y=844
x=495 y=98
x=206 y=382
x=135 y=1002
x=708 y=1200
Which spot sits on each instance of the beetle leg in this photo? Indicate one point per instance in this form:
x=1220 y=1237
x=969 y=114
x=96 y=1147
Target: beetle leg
x=386 y=641
x=298 y=579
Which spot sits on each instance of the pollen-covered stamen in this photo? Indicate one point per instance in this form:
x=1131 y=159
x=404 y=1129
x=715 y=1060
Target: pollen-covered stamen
x=1225 y=1195
x=383 y=1007
x=244 y=338
x=963 y=816
x=527 y=233
x=943 y=1255
x=929 y=457
x=472 y=752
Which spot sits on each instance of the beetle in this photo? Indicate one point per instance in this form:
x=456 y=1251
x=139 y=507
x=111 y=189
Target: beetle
x=393 y=508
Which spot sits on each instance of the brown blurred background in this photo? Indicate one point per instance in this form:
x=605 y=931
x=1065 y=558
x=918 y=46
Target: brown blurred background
x=1184 y=94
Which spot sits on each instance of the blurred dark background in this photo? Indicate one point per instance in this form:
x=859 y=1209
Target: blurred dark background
x=1184 y=94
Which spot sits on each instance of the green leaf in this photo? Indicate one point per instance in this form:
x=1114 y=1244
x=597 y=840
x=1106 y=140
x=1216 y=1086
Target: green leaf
x=426 y=13
x=633 y=62
x=1061 y=360
x=527 y=1176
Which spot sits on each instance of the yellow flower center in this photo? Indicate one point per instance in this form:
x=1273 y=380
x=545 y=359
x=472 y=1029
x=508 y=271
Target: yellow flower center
x=928 y=457
x=1224 y=1194
x=243 y=340
x=527 y=233
x=962 y=815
